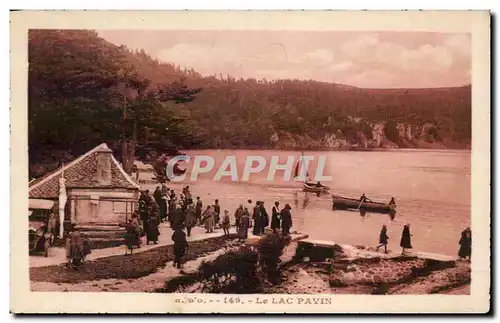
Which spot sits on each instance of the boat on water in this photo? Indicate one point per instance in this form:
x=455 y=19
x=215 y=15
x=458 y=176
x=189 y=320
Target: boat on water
x=344 y=203
x=315 y=188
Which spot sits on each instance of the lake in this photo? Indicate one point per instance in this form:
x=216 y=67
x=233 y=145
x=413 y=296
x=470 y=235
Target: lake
x=432 y=189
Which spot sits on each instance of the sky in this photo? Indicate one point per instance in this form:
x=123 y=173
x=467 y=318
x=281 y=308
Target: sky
x=362 y=59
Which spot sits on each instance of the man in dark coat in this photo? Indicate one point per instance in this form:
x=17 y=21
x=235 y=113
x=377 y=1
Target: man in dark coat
x=257 y=222
x=143 y=207
x=264 y=217
x=198 y=209
x=152 y=231
x=180 y=246
x=275 y=218
x=406 y=239
x=286 y=219
x=216 y=212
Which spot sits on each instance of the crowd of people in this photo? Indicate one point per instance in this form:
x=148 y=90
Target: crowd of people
x=183 y=213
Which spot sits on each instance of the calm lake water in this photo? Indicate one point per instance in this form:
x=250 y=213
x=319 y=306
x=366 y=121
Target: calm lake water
x=431 y=188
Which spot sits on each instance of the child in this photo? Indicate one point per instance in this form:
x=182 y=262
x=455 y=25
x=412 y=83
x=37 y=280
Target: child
x=383 y=238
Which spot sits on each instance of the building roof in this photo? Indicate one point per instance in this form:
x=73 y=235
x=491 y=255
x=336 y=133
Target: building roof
x=81 y=173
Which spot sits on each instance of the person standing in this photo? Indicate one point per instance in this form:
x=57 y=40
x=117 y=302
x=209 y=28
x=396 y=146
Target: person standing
x=198 y=209
x=275 y=217
x=465 y=243
x=74 y=248
x=143 y=207
x=152 y=231
x=257 y=219
x=166 y=201
x=226 y=223
x=244 y=225
x=405 y=239
x=178 y=218
x=173 y=206
x=216 y=213
x=52 y=226
x=383 y=239
x=180 y=246
x=190 y=218
x=264 y=218
x=208 y=219
x=286 y=219
x=248 y=208
x=238 y=214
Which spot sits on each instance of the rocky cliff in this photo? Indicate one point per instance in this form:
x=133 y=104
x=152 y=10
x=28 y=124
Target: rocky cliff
x=372 y=135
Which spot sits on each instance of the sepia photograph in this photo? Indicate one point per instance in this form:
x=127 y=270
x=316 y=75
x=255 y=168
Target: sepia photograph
x=260 y=166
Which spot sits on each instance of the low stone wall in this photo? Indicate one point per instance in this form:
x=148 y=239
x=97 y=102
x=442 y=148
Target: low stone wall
x=350 y=266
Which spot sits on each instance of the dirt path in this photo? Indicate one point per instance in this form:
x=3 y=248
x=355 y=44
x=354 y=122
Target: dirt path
x=146 y=284
x=125 y=267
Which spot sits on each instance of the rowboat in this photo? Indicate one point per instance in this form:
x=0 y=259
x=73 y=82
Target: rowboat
x=314 y=188
x=344 y=203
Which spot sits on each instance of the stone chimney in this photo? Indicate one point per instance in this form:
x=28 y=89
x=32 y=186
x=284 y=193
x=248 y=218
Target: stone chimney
x=103 y=175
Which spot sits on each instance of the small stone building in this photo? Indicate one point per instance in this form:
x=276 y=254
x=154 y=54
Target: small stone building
x=99 y=192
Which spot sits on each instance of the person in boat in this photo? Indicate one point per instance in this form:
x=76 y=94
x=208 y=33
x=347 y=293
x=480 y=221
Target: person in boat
x=198 y=209
x=286 y=219
x=318 y=184
x=275 y=217
x=226 y=223
x=392 y=202
x=244 y=225
x=405 y=239
x=257 y=219
x=383 y=238
x=363 y=198
x=180 y=246
x=191 y=219
x=465 y=243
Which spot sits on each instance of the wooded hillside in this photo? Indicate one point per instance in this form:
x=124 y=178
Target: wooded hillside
x=79 y=84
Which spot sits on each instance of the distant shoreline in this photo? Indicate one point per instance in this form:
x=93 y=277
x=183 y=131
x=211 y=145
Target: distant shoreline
x=337 y=149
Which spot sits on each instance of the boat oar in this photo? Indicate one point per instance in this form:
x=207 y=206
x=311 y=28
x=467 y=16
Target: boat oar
x=360 y=205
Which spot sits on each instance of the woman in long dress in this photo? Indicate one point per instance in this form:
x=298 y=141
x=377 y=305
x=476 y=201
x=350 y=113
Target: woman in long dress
x=286 y=220
x=275 y=218
x=465 y=244
x=406 y=239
